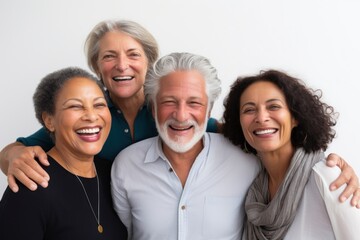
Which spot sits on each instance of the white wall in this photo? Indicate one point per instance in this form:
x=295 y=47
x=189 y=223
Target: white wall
x=317 y=41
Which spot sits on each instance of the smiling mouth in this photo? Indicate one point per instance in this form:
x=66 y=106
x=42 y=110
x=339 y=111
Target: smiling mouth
x=265 y=132
x=122 y=79
x=180 y=128
x=88 y=131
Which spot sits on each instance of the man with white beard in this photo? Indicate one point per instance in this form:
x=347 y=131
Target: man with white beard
x=184 y=184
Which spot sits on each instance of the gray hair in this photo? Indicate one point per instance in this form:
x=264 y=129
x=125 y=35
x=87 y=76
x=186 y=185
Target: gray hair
x=179 y=62
x=130 y=28
x=49 y=87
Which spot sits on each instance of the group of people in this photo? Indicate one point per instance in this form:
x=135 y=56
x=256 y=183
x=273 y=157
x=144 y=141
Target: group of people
x=135 y=154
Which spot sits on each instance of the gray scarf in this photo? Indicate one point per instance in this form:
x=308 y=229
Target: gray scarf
x=271 y=220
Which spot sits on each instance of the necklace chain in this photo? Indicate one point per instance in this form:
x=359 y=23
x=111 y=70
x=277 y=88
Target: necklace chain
x=100 y=228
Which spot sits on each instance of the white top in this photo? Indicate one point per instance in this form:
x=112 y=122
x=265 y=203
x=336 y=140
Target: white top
x=150 y=200
x=320 y=214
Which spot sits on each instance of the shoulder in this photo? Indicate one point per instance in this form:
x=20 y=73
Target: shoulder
x=221 y=144
x=103 y=167
x=135 y=152
x=222 y=148
x=324 y=176
x=138 y=147
x=324 y=173
x=344 y=218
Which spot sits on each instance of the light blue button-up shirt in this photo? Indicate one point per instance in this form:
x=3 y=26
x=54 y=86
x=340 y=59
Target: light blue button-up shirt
x=151 y=202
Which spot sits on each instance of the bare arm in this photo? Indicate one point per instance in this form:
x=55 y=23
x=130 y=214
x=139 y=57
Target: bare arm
x=18 y=161
x=347 y=176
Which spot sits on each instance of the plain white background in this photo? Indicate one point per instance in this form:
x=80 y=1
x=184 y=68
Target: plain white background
x=317 y=41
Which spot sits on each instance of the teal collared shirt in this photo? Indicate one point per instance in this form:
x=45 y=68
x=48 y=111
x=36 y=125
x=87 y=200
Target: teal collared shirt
x=119 y=136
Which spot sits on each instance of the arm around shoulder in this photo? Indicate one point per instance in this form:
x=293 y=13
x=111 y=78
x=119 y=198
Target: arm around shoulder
x=344 y=218
x=4 y=155
x=18 y=161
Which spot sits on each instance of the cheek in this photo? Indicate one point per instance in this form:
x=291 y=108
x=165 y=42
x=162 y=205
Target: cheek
x=141 y=68
x=107 y=118
x=245 y=125
x=201 y=115
x=163 y=113
x=105 y=68
x=244 y=122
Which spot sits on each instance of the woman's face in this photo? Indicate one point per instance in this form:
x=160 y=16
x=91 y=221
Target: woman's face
x=82 y=120
x=265 y=118
x=122 y=64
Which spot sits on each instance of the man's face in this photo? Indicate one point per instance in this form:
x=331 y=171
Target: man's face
x=181 y=110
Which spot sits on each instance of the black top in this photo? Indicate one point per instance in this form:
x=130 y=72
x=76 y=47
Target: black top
x=61 y=211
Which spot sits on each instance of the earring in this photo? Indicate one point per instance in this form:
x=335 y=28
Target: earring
x=245 y=148
x=304 y=141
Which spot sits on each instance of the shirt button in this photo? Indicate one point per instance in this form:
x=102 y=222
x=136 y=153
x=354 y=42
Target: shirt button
x=126 y=130
x=183 y=207
x=118 y=111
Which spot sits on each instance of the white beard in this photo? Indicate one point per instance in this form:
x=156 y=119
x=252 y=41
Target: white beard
x=179 y=145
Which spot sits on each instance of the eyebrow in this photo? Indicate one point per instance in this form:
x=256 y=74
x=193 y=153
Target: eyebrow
x=267 y=101
x=79 y=100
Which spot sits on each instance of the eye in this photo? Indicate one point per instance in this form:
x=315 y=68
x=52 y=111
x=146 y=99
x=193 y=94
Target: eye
x=134 y=55
x=168 y=102
x=108 y=57
x=100 y=105
x=248 y=110
x=75 y=106
x=195 y=104
x=274 y=107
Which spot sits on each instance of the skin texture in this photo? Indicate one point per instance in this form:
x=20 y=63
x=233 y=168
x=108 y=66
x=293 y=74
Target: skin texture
x=81 y=124
x=122 y=58
x=181 y=111
x=265 y=118
x=267 y=124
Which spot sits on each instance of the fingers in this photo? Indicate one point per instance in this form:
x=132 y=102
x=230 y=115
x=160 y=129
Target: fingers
x=24 y=168
x=12 y=183
x=40 y=155
x=355 y=201
x=30 y=173
x=348 y=176
x=333 y=160
x=23 y=179
x=348 y=191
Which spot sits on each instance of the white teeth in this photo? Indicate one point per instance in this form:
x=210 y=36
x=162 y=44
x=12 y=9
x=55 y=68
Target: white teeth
x=123 y=78
x=88 y=130
x=181 y=128
x=266 y=131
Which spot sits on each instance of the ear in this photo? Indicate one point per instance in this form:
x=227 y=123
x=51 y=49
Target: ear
x=294 y=122
x=48 y=121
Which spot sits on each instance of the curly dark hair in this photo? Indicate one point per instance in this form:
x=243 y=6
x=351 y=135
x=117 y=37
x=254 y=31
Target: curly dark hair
x=315 y=118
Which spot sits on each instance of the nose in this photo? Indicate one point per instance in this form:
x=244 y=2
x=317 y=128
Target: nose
x=90 y=115
x=122 y=63
x=262 y=116
x=181 y=113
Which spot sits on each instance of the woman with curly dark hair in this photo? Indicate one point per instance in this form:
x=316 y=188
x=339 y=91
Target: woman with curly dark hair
x=284 y=123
